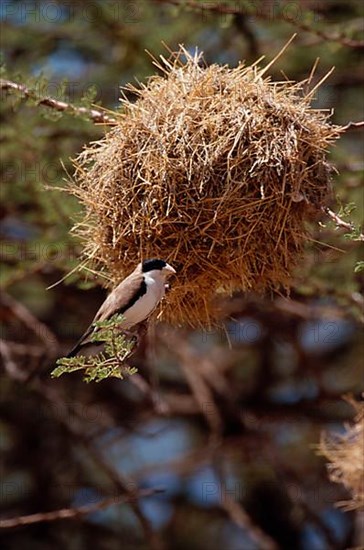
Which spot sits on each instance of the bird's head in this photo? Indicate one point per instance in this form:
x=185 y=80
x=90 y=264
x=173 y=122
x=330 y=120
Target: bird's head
x=156 y=266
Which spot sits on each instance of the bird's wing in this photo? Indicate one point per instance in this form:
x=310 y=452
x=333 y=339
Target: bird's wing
x=122 y=297
x=118 y=301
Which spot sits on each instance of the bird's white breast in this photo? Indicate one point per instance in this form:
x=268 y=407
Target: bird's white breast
x=146 y=303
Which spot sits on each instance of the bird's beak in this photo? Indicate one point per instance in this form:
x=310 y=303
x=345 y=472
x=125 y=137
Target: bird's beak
x=168 y=269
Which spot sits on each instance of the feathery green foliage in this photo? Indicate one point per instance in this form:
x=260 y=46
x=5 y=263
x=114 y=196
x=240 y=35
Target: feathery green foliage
x=109 y=362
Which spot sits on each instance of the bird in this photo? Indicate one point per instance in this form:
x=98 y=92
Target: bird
x=135 y=298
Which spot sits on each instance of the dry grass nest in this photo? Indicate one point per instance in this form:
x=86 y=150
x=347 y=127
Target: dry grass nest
x=345 y=455
x=215 y=170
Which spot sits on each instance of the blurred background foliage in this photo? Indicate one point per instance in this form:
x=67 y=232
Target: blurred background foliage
x=224 y=423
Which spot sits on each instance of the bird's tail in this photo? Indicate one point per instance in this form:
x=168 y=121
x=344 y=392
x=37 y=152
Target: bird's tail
x=81 y=342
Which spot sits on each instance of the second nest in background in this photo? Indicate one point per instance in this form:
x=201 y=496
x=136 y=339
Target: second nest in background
x=215 y=170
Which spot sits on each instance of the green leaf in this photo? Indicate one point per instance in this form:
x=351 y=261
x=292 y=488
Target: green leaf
x=359 y=266
x=89 y=97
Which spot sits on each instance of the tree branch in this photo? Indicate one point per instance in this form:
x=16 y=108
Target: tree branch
x=61 y=106
x=72 y=513
x=233 y=10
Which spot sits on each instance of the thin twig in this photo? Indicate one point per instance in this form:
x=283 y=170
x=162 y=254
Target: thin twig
x=339 y=222
x=202 y=393
x=73 y=513
x=61 y=106
x=353 y=125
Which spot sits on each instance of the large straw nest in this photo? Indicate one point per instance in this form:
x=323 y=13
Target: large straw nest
x=213 y=169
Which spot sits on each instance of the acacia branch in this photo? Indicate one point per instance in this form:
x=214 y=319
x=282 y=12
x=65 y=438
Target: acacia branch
x=339 y=222
x=72 y=513
x=60 y=106
x=224 y=9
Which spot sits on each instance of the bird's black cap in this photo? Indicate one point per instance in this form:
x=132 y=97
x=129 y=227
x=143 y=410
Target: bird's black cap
x=154 y=263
